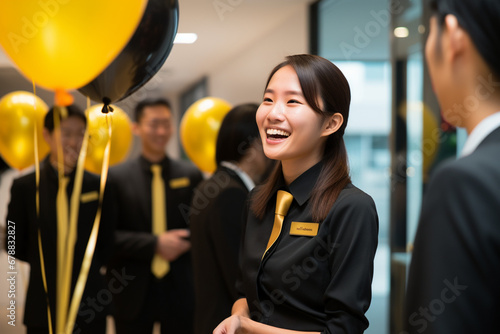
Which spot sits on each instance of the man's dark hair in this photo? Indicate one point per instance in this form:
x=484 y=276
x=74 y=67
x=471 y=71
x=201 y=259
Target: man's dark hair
x=433 y=6
x=72 y=111
x=480 y=19
x=237 y=133
x=434 y=11
x=139 y=108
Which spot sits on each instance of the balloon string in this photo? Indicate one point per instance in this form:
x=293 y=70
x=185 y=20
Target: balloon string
x=75 y=203
x=37 y=204
x=63 y=277
x=89 y=251
x=37 y=163
x=72 y=231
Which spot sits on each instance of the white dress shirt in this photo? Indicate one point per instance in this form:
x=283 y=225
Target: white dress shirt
x=481 y=131
x=243 y=176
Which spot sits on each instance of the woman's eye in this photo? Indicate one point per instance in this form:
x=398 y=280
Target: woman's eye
x=266 y=99
x=294 y=101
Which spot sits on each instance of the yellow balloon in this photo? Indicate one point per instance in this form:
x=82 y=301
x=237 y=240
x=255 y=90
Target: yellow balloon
x=64 y=44
x=430 y=140
x=199 y=128
x=430 y=132
x=121 y=137
x=19 y=112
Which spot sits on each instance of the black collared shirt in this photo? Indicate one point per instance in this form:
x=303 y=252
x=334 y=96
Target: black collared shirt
x=312 y=283
x=146 y=165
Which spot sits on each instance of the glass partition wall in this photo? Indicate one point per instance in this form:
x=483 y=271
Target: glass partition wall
x=396 y=135
x=420 y=140
x=355 y=36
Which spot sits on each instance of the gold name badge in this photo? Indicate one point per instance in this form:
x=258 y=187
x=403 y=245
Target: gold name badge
x=180 y=182
x=307 y=229
x=89 y=197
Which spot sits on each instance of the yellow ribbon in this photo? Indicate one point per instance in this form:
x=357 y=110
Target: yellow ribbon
x=37 y=204
x=65 y=319
x=89 y=251
x=63 y=277
x=37 y=163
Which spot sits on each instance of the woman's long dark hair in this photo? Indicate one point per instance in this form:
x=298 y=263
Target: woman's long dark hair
x=318 y=77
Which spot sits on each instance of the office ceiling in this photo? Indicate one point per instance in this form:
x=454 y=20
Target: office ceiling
x=225 y=28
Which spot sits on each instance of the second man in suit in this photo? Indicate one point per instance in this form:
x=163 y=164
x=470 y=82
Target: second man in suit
x=153 y=193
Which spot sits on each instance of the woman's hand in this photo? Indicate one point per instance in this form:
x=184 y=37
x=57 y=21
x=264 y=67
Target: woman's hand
x=237 y=324
x=231 y=325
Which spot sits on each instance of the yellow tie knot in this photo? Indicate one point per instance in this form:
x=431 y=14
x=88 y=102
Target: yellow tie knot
x=64 y=181
x=156 y=169
x=283 y=201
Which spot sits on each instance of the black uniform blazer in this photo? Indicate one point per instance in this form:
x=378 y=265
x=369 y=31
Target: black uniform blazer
x=312 y=283
x=216 y=223
x=135 y=243
x=454 y=278
x=22 y=212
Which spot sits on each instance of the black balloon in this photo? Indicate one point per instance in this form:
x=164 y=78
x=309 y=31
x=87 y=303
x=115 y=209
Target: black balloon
x=143 y=56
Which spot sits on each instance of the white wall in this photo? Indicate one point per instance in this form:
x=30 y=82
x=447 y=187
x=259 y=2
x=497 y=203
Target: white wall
x=243 y=78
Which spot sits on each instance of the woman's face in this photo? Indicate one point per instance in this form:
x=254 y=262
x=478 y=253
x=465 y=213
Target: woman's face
x=290 y=129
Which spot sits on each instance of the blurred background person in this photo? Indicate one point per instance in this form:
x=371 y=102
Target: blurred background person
x=152 y=239
x=455 y=269
x=217 y=212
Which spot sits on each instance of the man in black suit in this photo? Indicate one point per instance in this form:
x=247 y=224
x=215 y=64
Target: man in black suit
x=152 y=294
x=24 y=224
x=454 y=275
x=216 y=215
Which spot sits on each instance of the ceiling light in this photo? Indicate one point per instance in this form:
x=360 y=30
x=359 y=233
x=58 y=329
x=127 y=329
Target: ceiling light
x=185 y=38
x=401 y=32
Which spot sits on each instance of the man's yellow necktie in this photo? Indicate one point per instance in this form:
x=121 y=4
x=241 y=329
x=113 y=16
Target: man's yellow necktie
x=283 y=201
x=160 y=267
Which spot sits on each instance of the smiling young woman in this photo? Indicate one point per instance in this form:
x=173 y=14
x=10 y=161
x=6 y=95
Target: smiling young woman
x=307 y=269
x=318 y=113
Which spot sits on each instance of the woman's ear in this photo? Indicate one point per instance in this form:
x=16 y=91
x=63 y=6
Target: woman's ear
x=332 y=124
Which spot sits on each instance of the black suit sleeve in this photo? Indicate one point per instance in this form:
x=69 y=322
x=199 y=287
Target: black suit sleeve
x=135 y=245
x=227 y=229
x=240 y=286
x=453 y=279
x=134 y=240
x=17 y=217
x=130 y=243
